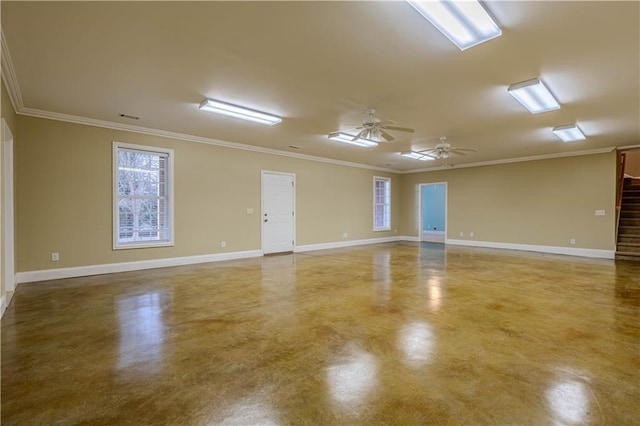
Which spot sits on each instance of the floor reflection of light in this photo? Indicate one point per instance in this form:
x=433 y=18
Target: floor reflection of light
x=141 y=332
x=382 y=267
x=435 y=293
x=352 y=380
x=569 y=401
x=250 y=411
x=416 y=341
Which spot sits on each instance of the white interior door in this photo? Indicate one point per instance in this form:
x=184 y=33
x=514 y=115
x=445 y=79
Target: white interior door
x=278 y=212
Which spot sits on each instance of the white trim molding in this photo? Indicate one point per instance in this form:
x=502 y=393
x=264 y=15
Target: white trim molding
x=32 y=112
x=341 y=244
x=409 y=238
x=3 y=305
x=512 y=160
x=569 y=251
x=9 y=76
x=109 y=268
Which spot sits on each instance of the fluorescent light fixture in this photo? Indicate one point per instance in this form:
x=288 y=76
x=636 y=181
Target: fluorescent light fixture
x=534 y=95
x=347 y=138
x=465 y=22
x=416 y=155
x=569 y=133
x=235 y=111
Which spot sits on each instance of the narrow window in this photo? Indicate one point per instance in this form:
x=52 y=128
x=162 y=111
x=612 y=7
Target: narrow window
x=381 y=204
x=143 y=196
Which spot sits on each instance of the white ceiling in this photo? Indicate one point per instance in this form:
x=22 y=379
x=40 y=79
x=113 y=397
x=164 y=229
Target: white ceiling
x=321 y=64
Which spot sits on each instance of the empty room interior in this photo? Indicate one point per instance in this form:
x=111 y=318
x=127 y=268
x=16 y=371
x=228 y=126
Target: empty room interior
x=289 y=213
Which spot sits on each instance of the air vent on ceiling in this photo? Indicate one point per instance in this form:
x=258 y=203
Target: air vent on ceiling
x=132 y=117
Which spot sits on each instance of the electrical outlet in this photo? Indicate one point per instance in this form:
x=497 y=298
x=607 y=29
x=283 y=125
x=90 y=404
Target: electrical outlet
x=471 y=234
x=345 y=235
x=573 y=241
x=55 y=256
x=223 y=244
x=462 y=234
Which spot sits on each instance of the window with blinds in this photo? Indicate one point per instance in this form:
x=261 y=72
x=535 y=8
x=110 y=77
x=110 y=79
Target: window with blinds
x=142 y=196
x=381 y=204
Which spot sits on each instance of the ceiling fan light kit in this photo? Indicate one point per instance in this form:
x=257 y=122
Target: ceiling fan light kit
x=372 y=130
x=534 y=96
x=230 y=110
x=466 y=23
x=347 y=138
x=569 y=133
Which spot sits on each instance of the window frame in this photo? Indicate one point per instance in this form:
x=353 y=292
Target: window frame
x=117 y=147
x=386 y=204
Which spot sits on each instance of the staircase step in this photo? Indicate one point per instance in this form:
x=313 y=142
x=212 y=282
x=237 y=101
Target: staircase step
x=629 y=230
x=629 y=214
x=628 y=238
x=629 y=222
x=630 y=245
x=627 y=256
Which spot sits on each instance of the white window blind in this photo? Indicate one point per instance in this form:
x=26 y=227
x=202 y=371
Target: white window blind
x=381 y=204
x=142 y=196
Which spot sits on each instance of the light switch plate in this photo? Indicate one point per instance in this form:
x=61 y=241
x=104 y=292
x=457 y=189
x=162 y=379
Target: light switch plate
x=600 y=212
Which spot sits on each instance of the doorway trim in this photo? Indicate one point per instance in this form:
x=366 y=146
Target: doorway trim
x=420 y=207
x=293 y=177
x=8 y=247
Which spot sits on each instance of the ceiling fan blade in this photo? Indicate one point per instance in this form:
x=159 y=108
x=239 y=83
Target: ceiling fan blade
x=428 y=151
x=461 y=151
x=399 y=129
x=359 y=135
x=386 y=135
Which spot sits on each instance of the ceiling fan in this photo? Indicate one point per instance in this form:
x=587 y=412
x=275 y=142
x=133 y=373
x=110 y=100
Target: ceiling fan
x=374 y=129
x=445 y=150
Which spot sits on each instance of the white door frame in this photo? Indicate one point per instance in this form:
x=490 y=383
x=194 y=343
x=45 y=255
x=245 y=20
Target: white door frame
x=293 y=176
x=8 y=270
x=420 y=207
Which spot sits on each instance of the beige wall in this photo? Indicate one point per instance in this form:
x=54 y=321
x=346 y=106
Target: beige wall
x=545 y=202
x=64 y=197
x=632 y=163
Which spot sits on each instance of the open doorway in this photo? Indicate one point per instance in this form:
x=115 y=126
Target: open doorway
x=433 y=212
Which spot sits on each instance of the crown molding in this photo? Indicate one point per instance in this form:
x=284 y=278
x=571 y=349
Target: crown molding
x=513 y=160
x=9 y=76
x=31 y=112
x=628 y=148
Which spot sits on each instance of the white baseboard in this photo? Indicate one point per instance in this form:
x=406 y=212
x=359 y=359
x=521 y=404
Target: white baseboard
x=569 y=251
x=409 y=238
x=3 y=305
x=81 y=271
x=341 y=244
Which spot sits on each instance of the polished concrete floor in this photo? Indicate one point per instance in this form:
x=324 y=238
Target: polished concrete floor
x=397 y=333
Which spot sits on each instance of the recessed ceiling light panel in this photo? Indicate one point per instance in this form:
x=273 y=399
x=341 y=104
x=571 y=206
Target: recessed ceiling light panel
x=236 y=111
x=534 y=96
x=347 y=138
x=569 y=133
x=417 y=155
x=465 y=22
